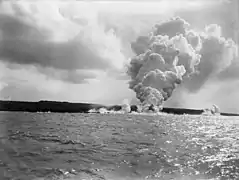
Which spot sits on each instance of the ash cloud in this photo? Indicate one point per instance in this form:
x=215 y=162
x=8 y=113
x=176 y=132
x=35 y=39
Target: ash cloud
x=66 y=46
x=217 y=54
x=176 y=55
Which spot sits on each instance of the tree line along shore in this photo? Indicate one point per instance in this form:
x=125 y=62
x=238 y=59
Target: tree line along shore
x=67 y=107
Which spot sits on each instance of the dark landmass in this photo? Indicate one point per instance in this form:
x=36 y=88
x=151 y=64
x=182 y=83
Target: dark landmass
x=67 y=107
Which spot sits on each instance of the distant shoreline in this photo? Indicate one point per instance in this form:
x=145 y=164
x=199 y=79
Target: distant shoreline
x=68 y=107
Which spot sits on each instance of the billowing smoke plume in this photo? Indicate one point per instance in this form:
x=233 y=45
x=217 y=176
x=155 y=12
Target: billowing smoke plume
x=126 y=106
x=173 y=53
x=214 y=110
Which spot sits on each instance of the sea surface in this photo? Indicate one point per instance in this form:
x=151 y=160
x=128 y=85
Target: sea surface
x=47 y=146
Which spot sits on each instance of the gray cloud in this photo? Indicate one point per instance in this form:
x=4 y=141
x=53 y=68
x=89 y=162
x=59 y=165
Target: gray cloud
x=59 y=46
x=74 y=76
x=68 y=76
x=230 y=73
x=224 y=14
x=25 y=44
x=213 y=64
x=22 y=93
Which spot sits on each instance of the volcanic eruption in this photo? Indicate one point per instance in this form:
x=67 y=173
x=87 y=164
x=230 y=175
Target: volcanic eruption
x=171 y=53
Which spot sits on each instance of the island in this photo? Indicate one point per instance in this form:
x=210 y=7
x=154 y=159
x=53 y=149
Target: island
x=68 y=107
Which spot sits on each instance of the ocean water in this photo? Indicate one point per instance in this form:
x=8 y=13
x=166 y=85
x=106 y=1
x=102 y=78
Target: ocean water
x=39 y=146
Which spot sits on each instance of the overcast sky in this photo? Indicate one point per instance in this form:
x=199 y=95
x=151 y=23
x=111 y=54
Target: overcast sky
x=77 y=51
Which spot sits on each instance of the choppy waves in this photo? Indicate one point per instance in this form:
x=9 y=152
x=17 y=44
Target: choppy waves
x=96 y=146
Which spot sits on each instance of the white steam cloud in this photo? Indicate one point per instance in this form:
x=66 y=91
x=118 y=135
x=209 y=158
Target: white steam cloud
x=173 y=53
x=126 y=106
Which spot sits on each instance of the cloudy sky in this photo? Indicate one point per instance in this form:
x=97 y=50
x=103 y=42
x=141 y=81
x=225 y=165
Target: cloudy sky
x=77 y=51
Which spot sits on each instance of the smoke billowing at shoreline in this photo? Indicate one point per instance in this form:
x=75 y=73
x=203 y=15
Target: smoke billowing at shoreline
x=76 y=51
x=173 y=53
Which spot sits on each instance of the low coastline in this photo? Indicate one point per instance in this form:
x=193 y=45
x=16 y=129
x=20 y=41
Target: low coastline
x=68 y=107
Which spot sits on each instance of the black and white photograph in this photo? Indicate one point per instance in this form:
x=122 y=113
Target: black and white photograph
x=119 y=90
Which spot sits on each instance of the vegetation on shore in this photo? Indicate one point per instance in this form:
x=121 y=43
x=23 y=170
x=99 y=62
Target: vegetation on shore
x=64 y=107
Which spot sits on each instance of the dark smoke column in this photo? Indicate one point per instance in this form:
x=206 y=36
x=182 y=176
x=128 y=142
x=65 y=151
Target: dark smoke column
x=171 y=54
x=155 y=71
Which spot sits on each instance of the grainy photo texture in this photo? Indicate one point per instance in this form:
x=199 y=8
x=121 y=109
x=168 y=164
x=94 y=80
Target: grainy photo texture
x=119 y=90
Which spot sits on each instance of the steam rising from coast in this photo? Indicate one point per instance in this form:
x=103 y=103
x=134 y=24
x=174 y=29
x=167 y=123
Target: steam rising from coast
x=172 y=53
x=126 y=106
x=50 y=47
